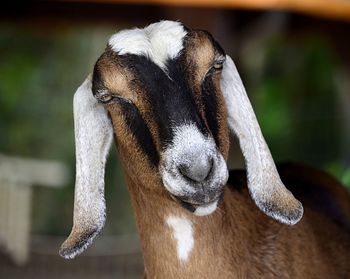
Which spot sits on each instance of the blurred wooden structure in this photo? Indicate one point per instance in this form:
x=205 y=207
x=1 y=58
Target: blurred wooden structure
x=333 y=9
x=17 y=176
x=109 y=258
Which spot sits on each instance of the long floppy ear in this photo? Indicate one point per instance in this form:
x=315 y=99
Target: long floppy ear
x=93 y=138
x=264 y=183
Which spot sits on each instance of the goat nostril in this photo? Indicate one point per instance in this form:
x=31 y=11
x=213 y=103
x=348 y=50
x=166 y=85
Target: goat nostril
x=211 y=164
x=198 y=171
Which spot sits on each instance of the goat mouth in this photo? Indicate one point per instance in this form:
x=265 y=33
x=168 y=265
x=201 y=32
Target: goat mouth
x=199 y=209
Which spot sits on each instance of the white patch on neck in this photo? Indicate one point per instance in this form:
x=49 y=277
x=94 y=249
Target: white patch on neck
x=204 y=210
x=183 y=234
x=159 y=41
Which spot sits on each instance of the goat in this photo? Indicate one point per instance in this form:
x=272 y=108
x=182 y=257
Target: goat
x=171 y=97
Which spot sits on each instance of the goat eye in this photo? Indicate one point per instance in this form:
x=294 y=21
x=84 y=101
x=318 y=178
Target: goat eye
x=218 y=65
x=105 y=98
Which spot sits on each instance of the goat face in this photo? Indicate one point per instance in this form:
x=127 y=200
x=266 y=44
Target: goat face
x=172 y=97
x=168 y=112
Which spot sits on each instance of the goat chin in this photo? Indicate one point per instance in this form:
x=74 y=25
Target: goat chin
x=203 y=210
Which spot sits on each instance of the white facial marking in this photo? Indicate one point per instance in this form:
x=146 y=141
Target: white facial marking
x=159 y=41
x=204 y=210
x=183 y=234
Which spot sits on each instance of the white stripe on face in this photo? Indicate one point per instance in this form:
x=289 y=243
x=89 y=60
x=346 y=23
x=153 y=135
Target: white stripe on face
x=159 y=41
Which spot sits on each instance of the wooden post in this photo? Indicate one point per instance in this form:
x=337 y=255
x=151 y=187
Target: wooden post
x=17 y=176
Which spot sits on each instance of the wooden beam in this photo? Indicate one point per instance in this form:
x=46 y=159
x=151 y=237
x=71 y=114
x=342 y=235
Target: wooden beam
x=332 y=9
x=32 y=172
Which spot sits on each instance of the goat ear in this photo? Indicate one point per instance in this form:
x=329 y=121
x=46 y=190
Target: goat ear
x=264 y=183
x=93 y=138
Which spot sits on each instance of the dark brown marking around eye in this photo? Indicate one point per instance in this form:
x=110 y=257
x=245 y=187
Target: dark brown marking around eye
x=199 y=56
x=116 y=77
x=204 y=79
x=200 y=53
x=120 y=79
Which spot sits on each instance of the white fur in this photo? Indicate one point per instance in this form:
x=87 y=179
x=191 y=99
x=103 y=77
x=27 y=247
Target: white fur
x=189 y=144
x=204 y=210
x=264 y=182
x=93 y=138
x=159 y=41
x=183 y=234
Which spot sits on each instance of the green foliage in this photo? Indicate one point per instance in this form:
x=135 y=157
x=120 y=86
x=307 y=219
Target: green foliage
x=341 y=171
x=295 y=100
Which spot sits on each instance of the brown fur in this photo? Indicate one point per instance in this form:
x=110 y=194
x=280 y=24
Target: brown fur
x=224 y=138
x=116 y=77
x=200 y=53
x=239 y=241
x=131 y=152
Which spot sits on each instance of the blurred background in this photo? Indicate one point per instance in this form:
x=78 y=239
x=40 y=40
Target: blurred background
x=294 y=60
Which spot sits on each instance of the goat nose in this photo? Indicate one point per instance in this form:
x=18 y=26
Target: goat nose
x=198 y=169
